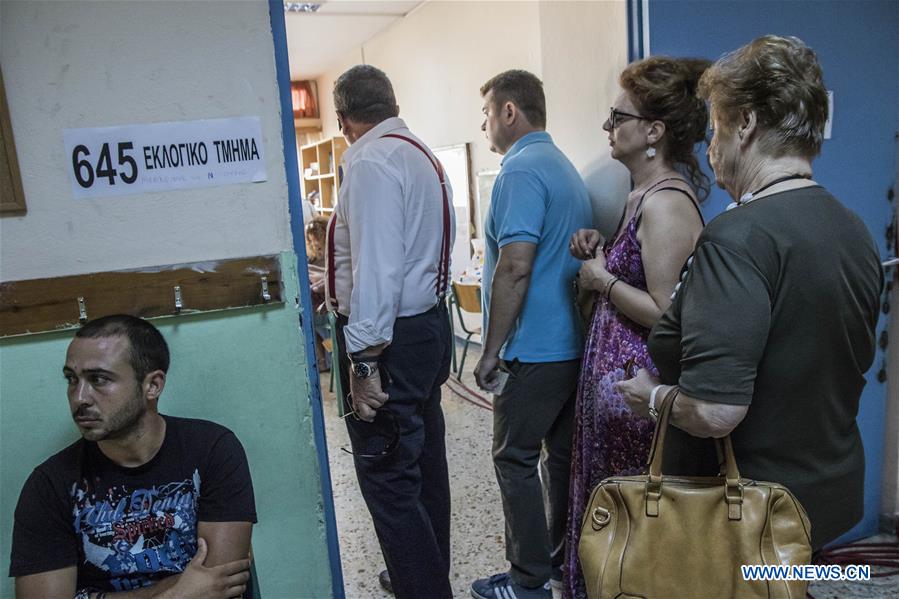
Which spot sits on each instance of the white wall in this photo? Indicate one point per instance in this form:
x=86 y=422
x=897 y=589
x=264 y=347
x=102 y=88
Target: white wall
x=890 y=496
x=584 y=48
x=94 y=64
x=437 y=59
x=439 y=56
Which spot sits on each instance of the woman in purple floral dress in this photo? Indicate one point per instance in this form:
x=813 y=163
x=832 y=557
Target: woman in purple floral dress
x=653 y=127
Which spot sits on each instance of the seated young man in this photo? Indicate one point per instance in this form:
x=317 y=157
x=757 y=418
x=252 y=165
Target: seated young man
x=144 y=505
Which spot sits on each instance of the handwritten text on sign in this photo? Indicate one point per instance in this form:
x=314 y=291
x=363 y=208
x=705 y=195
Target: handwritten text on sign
x=108 y=161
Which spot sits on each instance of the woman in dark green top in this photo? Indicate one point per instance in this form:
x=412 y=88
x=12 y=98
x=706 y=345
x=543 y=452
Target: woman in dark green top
x=772 y=328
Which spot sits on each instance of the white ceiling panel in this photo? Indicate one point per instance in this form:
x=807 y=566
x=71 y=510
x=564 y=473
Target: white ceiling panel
x=317 y=41
x=373 y=7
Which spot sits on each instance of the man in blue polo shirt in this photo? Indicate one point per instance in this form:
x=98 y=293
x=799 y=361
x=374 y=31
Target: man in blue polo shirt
x=532 y=331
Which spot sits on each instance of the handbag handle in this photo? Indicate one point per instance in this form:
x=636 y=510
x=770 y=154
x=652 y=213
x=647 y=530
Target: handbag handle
x=733 y=492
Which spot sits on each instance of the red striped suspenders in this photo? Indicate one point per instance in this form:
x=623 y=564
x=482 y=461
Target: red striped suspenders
x=443 y=273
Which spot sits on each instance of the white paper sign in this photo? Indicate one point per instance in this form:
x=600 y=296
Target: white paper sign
x=111 y=161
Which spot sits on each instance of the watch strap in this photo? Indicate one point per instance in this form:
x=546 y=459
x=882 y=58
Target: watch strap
x=358 y=356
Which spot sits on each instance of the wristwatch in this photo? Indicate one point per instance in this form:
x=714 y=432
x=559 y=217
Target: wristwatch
x=363 y=370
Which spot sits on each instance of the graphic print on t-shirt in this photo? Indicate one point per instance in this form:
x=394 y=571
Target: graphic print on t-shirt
x=133 y=535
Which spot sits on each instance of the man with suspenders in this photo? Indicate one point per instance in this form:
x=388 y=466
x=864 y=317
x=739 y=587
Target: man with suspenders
x=389 y=242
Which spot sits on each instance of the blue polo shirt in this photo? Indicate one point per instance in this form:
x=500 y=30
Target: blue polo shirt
x=539 y=198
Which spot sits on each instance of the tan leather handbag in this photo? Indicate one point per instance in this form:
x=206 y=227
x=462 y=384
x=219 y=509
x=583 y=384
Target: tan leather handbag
x=667 y=537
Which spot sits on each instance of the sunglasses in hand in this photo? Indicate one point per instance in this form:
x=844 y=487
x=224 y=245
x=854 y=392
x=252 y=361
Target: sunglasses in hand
x=379 y=438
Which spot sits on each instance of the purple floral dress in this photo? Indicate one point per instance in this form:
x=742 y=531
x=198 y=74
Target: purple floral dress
x=608 y=439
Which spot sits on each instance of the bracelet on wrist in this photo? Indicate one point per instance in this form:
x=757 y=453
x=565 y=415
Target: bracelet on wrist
x=653 y=412
x=608 y=287
x=609 y=292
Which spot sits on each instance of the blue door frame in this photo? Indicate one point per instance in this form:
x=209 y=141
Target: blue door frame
x=282 y=67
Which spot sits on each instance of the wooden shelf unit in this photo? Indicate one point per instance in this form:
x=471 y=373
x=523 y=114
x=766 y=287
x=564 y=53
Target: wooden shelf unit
x=327 y=153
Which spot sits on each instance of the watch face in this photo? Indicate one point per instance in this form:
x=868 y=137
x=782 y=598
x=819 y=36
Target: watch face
x=362 y=370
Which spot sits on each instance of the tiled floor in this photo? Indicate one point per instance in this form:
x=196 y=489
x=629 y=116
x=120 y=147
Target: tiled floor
x=477 y=524
x=886 y=587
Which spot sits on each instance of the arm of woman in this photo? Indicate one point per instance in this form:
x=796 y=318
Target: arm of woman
x=668 y=232
x=724 y=318
x=695 y=416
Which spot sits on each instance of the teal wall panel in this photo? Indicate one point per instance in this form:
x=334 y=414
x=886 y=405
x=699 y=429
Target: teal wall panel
x=245 y=369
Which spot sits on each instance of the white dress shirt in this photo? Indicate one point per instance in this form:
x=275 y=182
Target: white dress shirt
x=387 y=234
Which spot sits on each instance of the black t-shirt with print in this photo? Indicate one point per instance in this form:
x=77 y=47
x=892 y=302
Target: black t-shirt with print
x=126 y=528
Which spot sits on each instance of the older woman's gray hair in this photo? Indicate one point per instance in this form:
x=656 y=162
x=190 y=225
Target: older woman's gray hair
x=778 y=78
x=364 y=94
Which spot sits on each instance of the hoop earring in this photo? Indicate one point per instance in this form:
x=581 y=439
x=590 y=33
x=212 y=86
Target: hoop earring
x=650 y=152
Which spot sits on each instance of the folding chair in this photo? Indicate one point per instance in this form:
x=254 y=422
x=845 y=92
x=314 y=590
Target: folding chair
x=467 y=298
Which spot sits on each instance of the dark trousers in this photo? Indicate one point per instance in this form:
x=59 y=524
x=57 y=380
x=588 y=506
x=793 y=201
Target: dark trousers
x=407 y=491
x=533 y=423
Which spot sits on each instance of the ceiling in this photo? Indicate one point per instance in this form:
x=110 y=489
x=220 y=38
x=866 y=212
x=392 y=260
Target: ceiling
x=318 y=41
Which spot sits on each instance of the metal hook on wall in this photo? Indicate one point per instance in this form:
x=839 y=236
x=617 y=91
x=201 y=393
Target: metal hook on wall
x=82 y=310
x=178 y=303
x=266 y=296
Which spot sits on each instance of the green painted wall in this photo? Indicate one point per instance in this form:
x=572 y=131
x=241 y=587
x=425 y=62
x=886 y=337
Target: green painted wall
x=245 y=369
